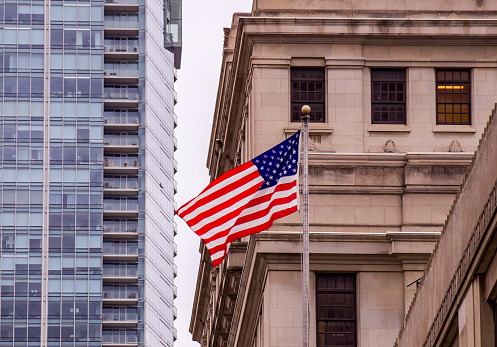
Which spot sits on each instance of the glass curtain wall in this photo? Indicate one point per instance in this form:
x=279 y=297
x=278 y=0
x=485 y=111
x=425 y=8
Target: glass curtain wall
x=74 y=179
x=76 y=173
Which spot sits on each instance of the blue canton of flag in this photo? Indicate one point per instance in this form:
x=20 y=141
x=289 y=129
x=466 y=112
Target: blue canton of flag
x=279 y=161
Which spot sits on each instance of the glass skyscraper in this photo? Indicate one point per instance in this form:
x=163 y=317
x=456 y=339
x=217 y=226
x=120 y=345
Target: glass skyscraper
x=87 y=172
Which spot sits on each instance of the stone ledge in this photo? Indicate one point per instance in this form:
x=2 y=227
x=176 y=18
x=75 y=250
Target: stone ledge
x=400 y=128
x=312 y=130
x=453 y=129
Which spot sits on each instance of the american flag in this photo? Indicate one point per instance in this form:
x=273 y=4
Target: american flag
x=245 y=200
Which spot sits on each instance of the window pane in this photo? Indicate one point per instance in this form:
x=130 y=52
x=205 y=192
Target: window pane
x=388 y=96
x=453 y=97
x=307 y=86
x=336 y=310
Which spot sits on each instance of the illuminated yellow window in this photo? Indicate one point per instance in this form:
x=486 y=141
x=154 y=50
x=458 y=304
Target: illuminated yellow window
x=453 y=97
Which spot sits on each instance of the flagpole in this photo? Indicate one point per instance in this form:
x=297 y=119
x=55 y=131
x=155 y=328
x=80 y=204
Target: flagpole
x=306 y=110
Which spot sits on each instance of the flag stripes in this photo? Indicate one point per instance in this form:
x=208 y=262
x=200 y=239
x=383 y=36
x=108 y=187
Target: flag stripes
x=245 y=200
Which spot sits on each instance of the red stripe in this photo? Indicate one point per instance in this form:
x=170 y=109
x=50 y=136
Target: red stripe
x=244 y=219
x=219 y=193
x=225 y=205
x=250 y=217
x=253 y=230
x=218 y=261
x=229 y=215
x=264 y=198
x=261 y=213
x=261 y=227
x=221 y=178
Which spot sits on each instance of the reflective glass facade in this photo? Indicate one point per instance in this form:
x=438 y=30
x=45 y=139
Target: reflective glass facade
x=86 y=174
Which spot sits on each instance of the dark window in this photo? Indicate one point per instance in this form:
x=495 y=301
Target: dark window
x=388 y=96
x=308 y=89
x=336 y=310
x=453 y=97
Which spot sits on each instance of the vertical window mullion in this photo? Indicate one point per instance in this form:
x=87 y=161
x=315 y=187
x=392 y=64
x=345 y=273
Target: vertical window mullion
x=388 y=96
x=335 y=314
x=452 y=83
x=307 y=89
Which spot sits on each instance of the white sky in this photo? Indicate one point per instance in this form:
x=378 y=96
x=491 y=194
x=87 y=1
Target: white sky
x=203 y=23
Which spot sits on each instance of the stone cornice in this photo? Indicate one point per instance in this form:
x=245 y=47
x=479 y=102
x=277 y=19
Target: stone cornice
x=339 y=12
x=362 y=30
x=390 y=159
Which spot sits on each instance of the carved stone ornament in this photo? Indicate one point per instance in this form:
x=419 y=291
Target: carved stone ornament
x=312 y=145
x=389 y=147
x=455 y=147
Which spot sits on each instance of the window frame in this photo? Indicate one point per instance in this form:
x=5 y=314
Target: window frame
x=388 y=81
x=297 y=103
x=352 y=278
x=452 y=82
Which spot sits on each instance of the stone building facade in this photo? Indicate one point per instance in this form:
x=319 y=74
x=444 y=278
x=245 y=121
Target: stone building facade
x=400 y=93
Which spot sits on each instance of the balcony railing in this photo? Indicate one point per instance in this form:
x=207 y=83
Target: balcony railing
x=121 y=44
x=121 y=161
x=119 y=314
x=120 y=270
x=122 y=2
x=121 y=92
x=120 y=204
x=120 y=182
x=121 y=20
x=120 y=226
x=120 y=118
x=119 y=336
x=120 y=140
x=122 y=68
x=120 y=248
x=122 y=292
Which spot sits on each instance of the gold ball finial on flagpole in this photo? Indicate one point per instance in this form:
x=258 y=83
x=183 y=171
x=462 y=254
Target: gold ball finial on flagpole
x=306 y=109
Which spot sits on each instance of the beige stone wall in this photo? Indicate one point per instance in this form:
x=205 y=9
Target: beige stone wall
x=348 y=101
x=282 y=309
x=380 y=307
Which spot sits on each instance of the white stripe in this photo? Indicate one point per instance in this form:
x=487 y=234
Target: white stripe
x=265 y=205
x=223 y=198
x=228 y=224
x=251 y=224
x=219 y=185
x=217 y=255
